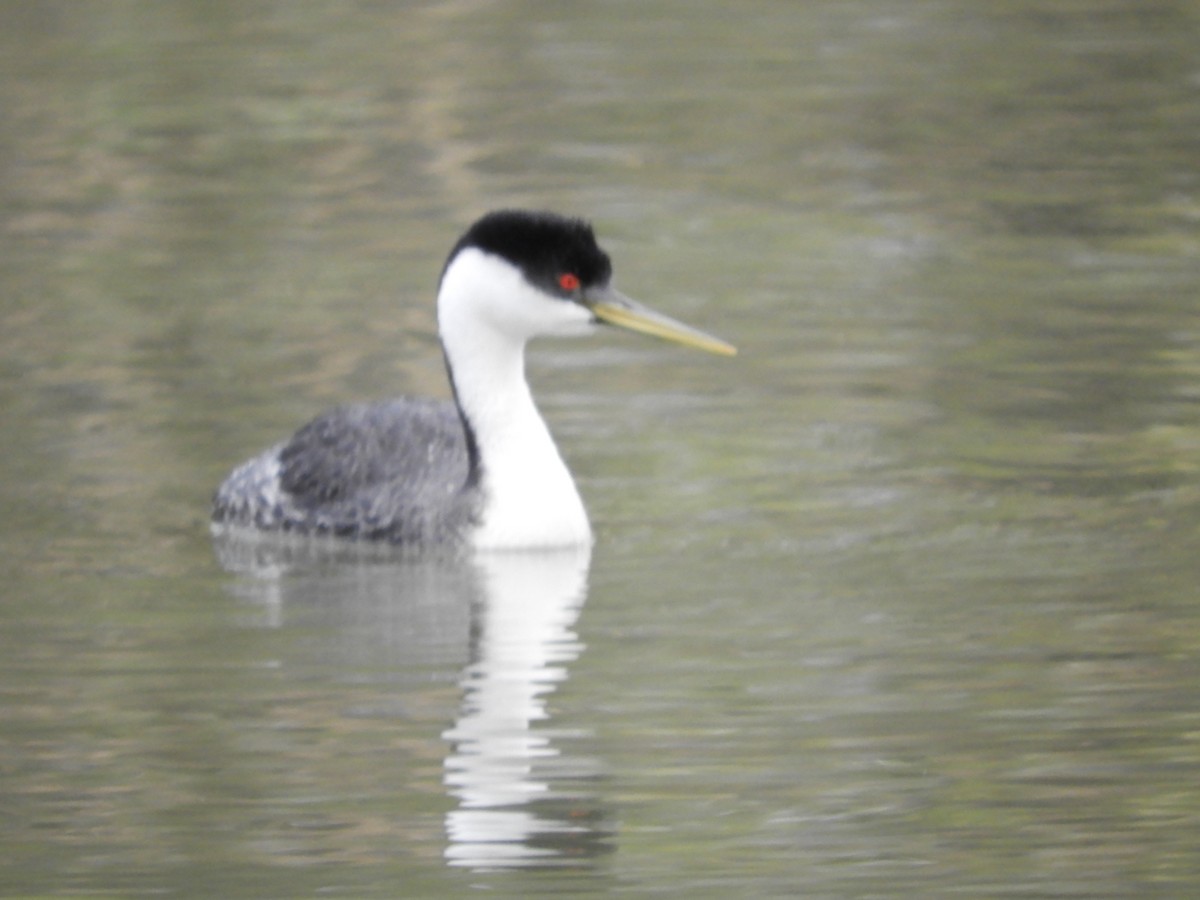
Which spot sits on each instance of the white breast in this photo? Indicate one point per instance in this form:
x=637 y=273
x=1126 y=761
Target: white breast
x=487 y=313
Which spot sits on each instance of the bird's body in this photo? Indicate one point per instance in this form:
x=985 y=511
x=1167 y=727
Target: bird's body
x=482 y=472
x=391 y=471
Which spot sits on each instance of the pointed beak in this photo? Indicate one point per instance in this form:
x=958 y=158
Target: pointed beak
x=615 y=308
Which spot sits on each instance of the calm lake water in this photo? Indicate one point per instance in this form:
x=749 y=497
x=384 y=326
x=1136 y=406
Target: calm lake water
x=900 y=602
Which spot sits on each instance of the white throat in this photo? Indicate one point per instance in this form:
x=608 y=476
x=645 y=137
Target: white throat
x=486 y=314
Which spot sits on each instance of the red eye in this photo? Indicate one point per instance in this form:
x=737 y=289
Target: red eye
x=568 y=281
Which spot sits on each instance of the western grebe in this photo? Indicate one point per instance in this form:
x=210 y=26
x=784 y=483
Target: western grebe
x=483 y=471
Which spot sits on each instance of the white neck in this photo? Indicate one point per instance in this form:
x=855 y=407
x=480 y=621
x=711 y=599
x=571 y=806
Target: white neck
x=530 y=499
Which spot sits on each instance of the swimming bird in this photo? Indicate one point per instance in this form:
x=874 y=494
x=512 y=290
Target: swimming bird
x=482 y=472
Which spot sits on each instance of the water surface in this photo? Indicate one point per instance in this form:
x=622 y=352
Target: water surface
x=899 y=602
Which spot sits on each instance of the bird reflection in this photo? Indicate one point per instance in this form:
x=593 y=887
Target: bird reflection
x=519 y=798
x=504 y=764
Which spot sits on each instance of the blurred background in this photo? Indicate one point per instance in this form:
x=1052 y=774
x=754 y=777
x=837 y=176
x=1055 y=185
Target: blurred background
x=901 y=601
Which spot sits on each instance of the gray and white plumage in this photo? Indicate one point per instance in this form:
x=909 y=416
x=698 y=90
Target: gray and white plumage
x=392 y=471
x=482 y=472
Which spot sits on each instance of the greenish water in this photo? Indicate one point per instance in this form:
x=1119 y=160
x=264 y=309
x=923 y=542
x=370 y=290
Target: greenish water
x=901 y=601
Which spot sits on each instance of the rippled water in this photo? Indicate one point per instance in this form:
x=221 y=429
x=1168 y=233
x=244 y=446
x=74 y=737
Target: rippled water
x=899 y=602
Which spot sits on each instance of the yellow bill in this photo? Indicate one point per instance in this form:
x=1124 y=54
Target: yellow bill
x=616 y=309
